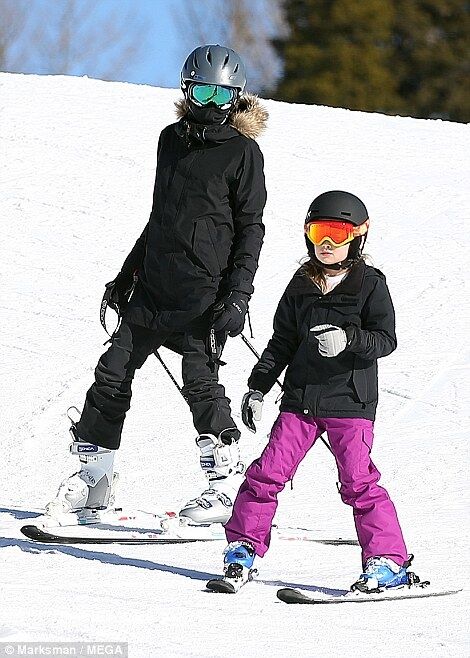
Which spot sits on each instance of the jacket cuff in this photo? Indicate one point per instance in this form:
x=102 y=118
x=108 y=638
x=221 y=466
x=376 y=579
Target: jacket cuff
x=351 y=336
x=260 y=382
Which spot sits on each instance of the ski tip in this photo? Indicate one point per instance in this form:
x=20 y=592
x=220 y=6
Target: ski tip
x=289 y=595
x=30 y=531
x=220 y=586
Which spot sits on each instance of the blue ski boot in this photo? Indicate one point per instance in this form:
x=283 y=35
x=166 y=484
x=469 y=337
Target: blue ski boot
x=238 y=562
x=382 y=573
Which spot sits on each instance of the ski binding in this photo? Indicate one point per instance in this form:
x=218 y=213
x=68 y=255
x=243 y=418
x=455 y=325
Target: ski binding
x=232 y=581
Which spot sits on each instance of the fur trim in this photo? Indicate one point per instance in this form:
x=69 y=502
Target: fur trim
x=249 y=117
x=182 y=107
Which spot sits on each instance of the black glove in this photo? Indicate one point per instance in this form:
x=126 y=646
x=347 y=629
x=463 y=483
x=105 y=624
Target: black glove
x=229 y=314
x=252 y=406
x=118 y=291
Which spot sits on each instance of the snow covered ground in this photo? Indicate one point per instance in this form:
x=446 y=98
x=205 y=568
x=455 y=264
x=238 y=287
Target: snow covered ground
x=77 y=166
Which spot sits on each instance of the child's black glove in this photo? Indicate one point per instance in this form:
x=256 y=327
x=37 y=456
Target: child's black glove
x=229 y=314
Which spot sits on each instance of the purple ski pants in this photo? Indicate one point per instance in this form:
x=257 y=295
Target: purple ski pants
x=292 y=436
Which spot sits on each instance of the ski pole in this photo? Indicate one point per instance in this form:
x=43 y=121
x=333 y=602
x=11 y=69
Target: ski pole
x=250 y=346
x=247 y=342
x=170 y=374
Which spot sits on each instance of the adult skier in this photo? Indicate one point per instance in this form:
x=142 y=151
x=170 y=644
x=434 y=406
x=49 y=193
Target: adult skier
x=185 y=285
x=334 y=320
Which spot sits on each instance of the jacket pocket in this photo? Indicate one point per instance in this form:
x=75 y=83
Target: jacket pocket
x=204 y=248
x=364 y=379
x=368 y=438
x=344 y=314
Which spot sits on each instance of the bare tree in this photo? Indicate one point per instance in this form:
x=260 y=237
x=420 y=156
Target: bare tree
x=247 y=26
x=70 y=37
x=13 y=23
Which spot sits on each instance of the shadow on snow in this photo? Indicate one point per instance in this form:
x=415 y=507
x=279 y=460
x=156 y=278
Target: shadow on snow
x=120 y=560
x=19 y=514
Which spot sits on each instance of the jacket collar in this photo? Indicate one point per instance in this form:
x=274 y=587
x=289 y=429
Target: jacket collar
x=301 y=284
x=248 y=118
x=194 y=132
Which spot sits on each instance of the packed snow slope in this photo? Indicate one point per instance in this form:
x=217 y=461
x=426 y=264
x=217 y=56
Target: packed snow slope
x=77 y=167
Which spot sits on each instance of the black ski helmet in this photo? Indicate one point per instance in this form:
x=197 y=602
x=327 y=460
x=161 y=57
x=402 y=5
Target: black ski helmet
x=341 y=206
x=214 y=65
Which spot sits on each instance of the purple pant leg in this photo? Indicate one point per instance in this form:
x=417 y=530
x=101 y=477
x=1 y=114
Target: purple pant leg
x=254 y=508
x=377 y=526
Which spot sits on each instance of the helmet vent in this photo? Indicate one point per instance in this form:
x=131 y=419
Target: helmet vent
x=227 y=57
x=348 y=214
x=195 y=62
x=209 y=56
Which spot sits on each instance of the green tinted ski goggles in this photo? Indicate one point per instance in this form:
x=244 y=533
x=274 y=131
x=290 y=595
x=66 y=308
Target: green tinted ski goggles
x=204 y=94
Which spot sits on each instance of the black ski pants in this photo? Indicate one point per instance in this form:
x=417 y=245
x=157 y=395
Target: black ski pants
x=108 y=399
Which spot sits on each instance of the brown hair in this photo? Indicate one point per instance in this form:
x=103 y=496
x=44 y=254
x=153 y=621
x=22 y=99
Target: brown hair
x=317 y=273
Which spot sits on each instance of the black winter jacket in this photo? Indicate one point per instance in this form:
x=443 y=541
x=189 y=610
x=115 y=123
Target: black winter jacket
x=205 y=230
x=342 y=386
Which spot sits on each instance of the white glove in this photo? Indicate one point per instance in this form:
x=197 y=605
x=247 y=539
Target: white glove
x=252 y=406
x=331 y=340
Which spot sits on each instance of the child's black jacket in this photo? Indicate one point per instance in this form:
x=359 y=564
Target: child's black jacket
x=339 y=387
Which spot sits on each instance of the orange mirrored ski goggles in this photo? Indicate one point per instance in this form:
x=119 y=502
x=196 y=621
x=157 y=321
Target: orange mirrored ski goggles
x=338 y=233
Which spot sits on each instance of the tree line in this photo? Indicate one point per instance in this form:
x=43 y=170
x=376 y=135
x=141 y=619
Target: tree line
x=394 y=56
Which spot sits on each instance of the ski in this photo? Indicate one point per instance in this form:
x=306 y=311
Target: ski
x=306 y=534
x=418 y=591
x=123 y=535
x=118 y=527
x=110 y=537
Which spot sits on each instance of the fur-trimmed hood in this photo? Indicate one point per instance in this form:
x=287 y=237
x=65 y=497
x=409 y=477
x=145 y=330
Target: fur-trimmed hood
x=249 y=117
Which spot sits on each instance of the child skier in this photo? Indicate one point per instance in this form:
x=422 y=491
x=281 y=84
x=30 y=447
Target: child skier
x=191 y=276
x=334 y=320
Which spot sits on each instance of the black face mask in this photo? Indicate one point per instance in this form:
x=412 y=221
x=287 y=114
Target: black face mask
x=209 y=115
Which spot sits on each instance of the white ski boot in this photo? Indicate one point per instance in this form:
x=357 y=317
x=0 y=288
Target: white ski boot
x=220 y=463
x=89 y=491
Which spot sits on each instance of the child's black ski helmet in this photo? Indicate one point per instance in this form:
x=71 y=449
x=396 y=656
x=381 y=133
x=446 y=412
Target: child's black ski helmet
x=341 y=206
x=338 y=205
